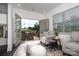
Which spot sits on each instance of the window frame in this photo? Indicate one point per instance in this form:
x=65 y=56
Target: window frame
x=63 y=13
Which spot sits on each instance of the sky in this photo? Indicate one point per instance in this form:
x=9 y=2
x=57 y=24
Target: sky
x=28 y=23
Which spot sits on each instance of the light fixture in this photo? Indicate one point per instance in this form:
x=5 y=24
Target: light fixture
x=19 y=4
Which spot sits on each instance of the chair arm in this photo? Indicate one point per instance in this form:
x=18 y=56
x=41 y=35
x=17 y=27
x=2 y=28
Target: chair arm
x=65 y=39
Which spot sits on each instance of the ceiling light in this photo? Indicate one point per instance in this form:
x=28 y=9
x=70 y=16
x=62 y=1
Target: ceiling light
x=19 y=4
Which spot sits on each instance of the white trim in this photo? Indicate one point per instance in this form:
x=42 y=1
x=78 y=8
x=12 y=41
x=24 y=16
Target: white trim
x=10 y=43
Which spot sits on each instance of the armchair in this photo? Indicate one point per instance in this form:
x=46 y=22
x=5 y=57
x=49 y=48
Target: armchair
x=70 y=43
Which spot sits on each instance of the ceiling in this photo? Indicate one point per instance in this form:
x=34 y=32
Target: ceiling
x=36 y=7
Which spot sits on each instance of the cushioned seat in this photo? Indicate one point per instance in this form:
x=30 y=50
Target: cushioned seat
x=73 y=46
x=70 y=42
x=37 y=50
x=30 y=47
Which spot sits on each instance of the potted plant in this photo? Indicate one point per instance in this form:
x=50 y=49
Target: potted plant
x=56 y=33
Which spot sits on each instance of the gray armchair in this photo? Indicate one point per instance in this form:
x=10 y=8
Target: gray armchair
x=70 y=43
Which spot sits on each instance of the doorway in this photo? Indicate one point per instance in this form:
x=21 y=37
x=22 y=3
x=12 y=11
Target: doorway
x=29 y=29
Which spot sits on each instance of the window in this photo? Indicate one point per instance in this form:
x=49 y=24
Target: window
x=1 y=31
x=67 y=21
x=58 y=23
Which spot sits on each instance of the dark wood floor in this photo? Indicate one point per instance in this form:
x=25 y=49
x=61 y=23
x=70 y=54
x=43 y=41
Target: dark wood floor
x=9 y=53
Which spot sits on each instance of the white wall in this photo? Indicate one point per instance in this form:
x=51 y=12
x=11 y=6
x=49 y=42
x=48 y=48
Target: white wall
x=3 y=41
x=3 y=19
x=61 y=8
x=30 y=14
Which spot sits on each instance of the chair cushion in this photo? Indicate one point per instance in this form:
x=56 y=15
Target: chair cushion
x=43 y=39
x=24 y=47
x=37 y=50
x=65 y=37
x=75 y=36
x=74 y=46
